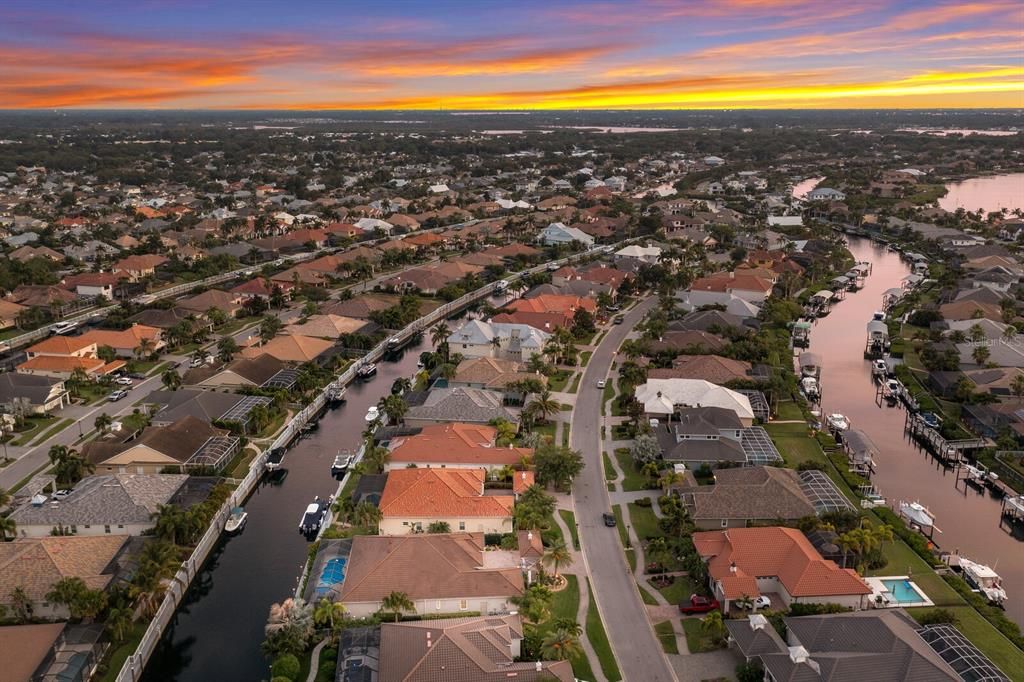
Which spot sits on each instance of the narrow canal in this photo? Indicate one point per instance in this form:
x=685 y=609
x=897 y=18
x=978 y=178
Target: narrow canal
x=217 y=631
x=969 y=519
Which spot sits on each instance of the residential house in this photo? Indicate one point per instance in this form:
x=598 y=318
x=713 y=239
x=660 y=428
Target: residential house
x=29 y=650
x=200 y=304
x=687 y=341
x=559 y=233
x=843 y=646
x=60 y=356
x=650 y=255
x=509 y=341
x=93 y=284
x=440 y=573
x=118 y=504
x=207 y=406
x=470 y=405
x=327 y=326
x=493 y=374
x=713 y=368
x=708 y=290
x=259 y=371
x=9 y=312
x=775 y=561
x=31 y=394
x=291 y=348
x=128 y=342
x=187 y=443
x=663 y=397
x=37 y=564
x=825 y=194
x=481 y=648
x=455 y=445
x=136 y=268
x=415 y=498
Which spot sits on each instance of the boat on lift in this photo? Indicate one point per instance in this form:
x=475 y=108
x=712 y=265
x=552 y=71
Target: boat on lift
x=810 y=388
x=921 y=519
x=879 y=368
x=314 y=515
x=975 y=474
x=372 y=414
x=236 y=521
x=274 y=459
x=342 y=461
x=366 y=371
x=984 y=580
x=837 y=422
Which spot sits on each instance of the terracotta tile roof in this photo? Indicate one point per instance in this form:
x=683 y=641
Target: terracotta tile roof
x=62 y=363
x=522 y=480
x=491 y=373
x=773 y=551
x=123 y=339
x=61 y=345
x=713 y=368
x=456 y=443
x=26 y=647
x=550 y=303
x=139 y=263
x=290 y=348
x=35 y=564
x=546 y=322
x=424 y=566
x=441 y=493
x=327 y=326
x=727 y=281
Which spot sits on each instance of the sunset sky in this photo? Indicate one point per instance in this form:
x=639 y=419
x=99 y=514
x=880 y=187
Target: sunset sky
x=258 y=54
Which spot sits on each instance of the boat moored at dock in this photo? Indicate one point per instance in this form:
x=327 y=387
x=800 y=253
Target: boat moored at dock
x=236 y=521
x=314 y=516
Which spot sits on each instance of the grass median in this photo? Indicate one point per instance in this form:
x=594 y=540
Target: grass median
x=599 y=640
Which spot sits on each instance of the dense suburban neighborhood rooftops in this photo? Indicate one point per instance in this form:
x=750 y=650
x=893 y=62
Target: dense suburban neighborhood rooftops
x=441 y=493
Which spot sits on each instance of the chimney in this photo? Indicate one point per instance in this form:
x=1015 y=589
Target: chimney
x=798 y=654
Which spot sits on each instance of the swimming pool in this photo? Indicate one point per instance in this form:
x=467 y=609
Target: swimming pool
x=333 y=573
x=903 y=591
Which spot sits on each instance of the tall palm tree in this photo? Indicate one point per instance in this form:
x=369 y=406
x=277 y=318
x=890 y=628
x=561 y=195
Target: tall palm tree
x=556 y=556
x=330 y=613
x=367 y=515
x=145 y=348
x=5 y=497
x=119 y=622
x=171 y=379
x=560 y=645
x=8 y=528
x=21 y=603
x=397 y=603
x=567 y=624
x=439 y=333
x=103 y=422
x=713 y=626
x=395 y=407
x=543 y=405
x=170 y=523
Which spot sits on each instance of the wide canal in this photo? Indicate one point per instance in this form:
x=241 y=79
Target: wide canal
x=969 y=519
x=217 y=631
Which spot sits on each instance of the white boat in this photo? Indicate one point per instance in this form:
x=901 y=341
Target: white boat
x=975 y=474
x=366 y=371
x=810 y=387
x=341 y=463
x=837 y=422
x=985 y=580
x=373 y=414
x=236 y=521
x=314 y=515
x=879 y=368
x=878 y=315
x=918 y=515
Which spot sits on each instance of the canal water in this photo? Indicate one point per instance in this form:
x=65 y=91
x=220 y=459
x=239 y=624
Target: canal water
x=969 y=519
x=217 y=631
x=801 y=188
x=990 y=193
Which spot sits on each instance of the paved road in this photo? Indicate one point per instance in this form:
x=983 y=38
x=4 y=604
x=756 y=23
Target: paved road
x=636 y=648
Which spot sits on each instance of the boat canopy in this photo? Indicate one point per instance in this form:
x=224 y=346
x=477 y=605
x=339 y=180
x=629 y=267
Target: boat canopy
x=841 y=279
x=878 y=328
x=895 y=292
x=861 y=268
x=810 y=360
x=802 y=325
x=859 y=444
x=823 y=295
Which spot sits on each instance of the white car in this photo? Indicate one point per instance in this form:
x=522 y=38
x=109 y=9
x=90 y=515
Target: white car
x=600 y=383
x=124 y=381
x=117 y=395
x=762 y=602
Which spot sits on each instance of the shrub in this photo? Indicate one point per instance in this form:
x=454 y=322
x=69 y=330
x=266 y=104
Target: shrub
x=644 y=502
x=799 y=609
x=938 y=617
x=286 y=666
x=329 y=654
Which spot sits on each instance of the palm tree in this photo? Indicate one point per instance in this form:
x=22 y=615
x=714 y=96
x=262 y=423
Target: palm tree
x=395 y=407
x=119 y=622
x=713 y=626
x=376 y=458
x=8 y=528
x=5 y=497
x=560 y=645
x=397 y=603
x=669 y=479
x=67 y=592
x=534 y=603
x=556 y=556
x=567 y=624
x=145 y=348
x=227 y=347
x=170 y=523
x=1017 y=387
x=171 y=379
x=980 y=354
x=330 y=613
x=21 y=604
x=439 y=333
x=103 y=422
x=68 y=467
x=544 y=405
x=367 y=515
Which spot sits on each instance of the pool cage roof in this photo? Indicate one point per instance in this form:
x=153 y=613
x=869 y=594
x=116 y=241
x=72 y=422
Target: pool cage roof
x=214 y=452
x=240 y=412
x=758 y=403
x=285 y=379
x=960 y=654
x=822 y=492
x=758 y=446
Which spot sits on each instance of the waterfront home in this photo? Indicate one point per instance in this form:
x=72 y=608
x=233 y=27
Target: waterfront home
x=645 y=254
x=777 y=562
x=415 y=498
x=200 y=304
x=292 y=348
x=714 y=368
x=440 y=573
x=663 y=397
x=714 y=436
x=264 y=371
x=187 y=443
x=712 y=321
x=24 y=394
x=118 y=504
x=128 y=342
x=207 y=406
x=687 y=341
x=138 y=267
x=454 y=445
x=843 y=646
x=37 y=564
x=749 y=287
x=29 y=650
x=470 y=405
x=479 y=648
x=478 y=339
x=495 y=375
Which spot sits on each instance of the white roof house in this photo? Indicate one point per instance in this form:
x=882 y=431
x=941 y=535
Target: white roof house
x=662 y=396
x=558 y=233
x=509 y=204
x=375 y=225
x=825 y=194
x=647 y=254
x=786 y=221
x=518 y=339
x=439 y=189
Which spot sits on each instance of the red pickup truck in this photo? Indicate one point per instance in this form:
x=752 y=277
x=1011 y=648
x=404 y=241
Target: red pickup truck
x=699 y=604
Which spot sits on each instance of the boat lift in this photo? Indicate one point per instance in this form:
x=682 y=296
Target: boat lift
x=949 y=452
x=1011 y=511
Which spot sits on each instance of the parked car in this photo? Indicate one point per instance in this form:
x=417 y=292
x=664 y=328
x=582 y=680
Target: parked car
x=124 y=381
x=699 y=604
x=762 y=602
x=930 y=419
x=117 y=395
x=619 y=319
x=600 y=383
x=60 y=495
x=137 y=375
x=609 y=520
x=614 y=308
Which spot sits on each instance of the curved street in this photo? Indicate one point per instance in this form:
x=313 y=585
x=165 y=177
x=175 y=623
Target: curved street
x=636 y=647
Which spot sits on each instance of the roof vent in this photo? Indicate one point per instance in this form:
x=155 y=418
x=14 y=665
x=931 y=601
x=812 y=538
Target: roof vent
x=757 y=622
x=732 y=567
x=538 y=666
x=798 y=654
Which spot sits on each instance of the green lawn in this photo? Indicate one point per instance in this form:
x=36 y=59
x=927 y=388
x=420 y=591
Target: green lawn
x=34 y=426
x=974 y=627
x=646 y=596
x=566 y=604
x=575 y=383
x=904 y=561
x=631 y=478
x=679 y=591
x=239 y=466
x=631 y=559
x=609 y=470
x=788 y=409
x=645 y=523
x=620 y=526
x=795 y=447
x=558 y=380
x=609 y=393
x=117 y=656
x=570 y=522
x=696 y=641
x=92 y=393
x=546 y=430
x=350 y=485
x=54 y=430
x=667 y=637
x=599 y=640
x=585 y=357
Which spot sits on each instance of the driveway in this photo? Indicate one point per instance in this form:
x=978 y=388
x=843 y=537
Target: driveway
x=636 y=648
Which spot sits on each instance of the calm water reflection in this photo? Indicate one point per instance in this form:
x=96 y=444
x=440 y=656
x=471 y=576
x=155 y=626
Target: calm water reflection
x=969 y=519
x=991 y=193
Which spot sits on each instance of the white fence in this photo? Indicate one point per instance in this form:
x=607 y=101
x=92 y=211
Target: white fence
x=135 y=663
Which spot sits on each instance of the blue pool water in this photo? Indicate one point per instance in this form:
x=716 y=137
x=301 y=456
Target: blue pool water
x=333 y=573
x=903 y=592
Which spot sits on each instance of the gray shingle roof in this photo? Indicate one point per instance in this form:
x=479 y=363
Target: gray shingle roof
x=101 y=500
x=473 y=405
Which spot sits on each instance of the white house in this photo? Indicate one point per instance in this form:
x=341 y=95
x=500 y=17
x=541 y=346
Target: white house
x=503 y=340
x=646 y=254
x=825 y=194
x=661 y=397
x=558 y=233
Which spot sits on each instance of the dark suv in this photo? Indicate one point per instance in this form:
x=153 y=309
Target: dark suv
x=609 y=520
